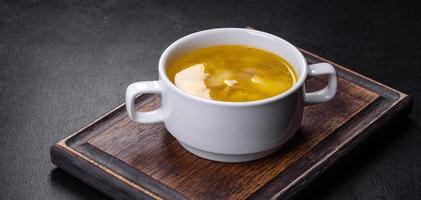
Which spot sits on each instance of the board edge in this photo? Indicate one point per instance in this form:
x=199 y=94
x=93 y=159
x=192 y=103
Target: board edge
x=399 y=106
x=60 y=154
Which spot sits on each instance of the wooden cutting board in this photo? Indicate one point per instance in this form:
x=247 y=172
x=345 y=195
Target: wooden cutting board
x=126 y=160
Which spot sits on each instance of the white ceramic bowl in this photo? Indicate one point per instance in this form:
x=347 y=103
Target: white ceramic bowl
x=231 y=131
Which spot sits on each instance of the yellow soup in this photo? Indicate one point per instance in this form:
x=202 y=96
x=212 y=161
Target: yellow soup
x=232 y=73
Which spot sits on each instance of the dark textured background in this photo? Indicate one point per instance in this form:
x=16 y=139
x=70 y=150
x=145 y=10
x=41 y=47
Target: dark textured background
x=65 y=63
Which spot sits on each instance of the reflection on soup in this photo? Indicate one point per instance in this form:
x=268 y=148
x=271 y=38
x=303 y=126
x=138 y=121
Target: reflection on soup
x=232 y=73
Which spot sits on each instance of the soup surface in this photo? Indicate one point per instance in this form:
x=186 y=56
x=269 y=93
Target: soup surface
x=232 y=73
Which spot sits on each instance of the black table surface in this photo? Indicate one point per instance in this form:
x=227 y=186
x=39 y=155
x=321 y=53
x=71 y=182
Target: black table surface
x=65 y=63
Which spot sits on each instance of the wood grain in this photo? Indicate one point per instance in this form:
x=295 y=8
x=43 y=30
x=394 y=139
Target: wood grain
x=144 y=160
x=152 y=150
